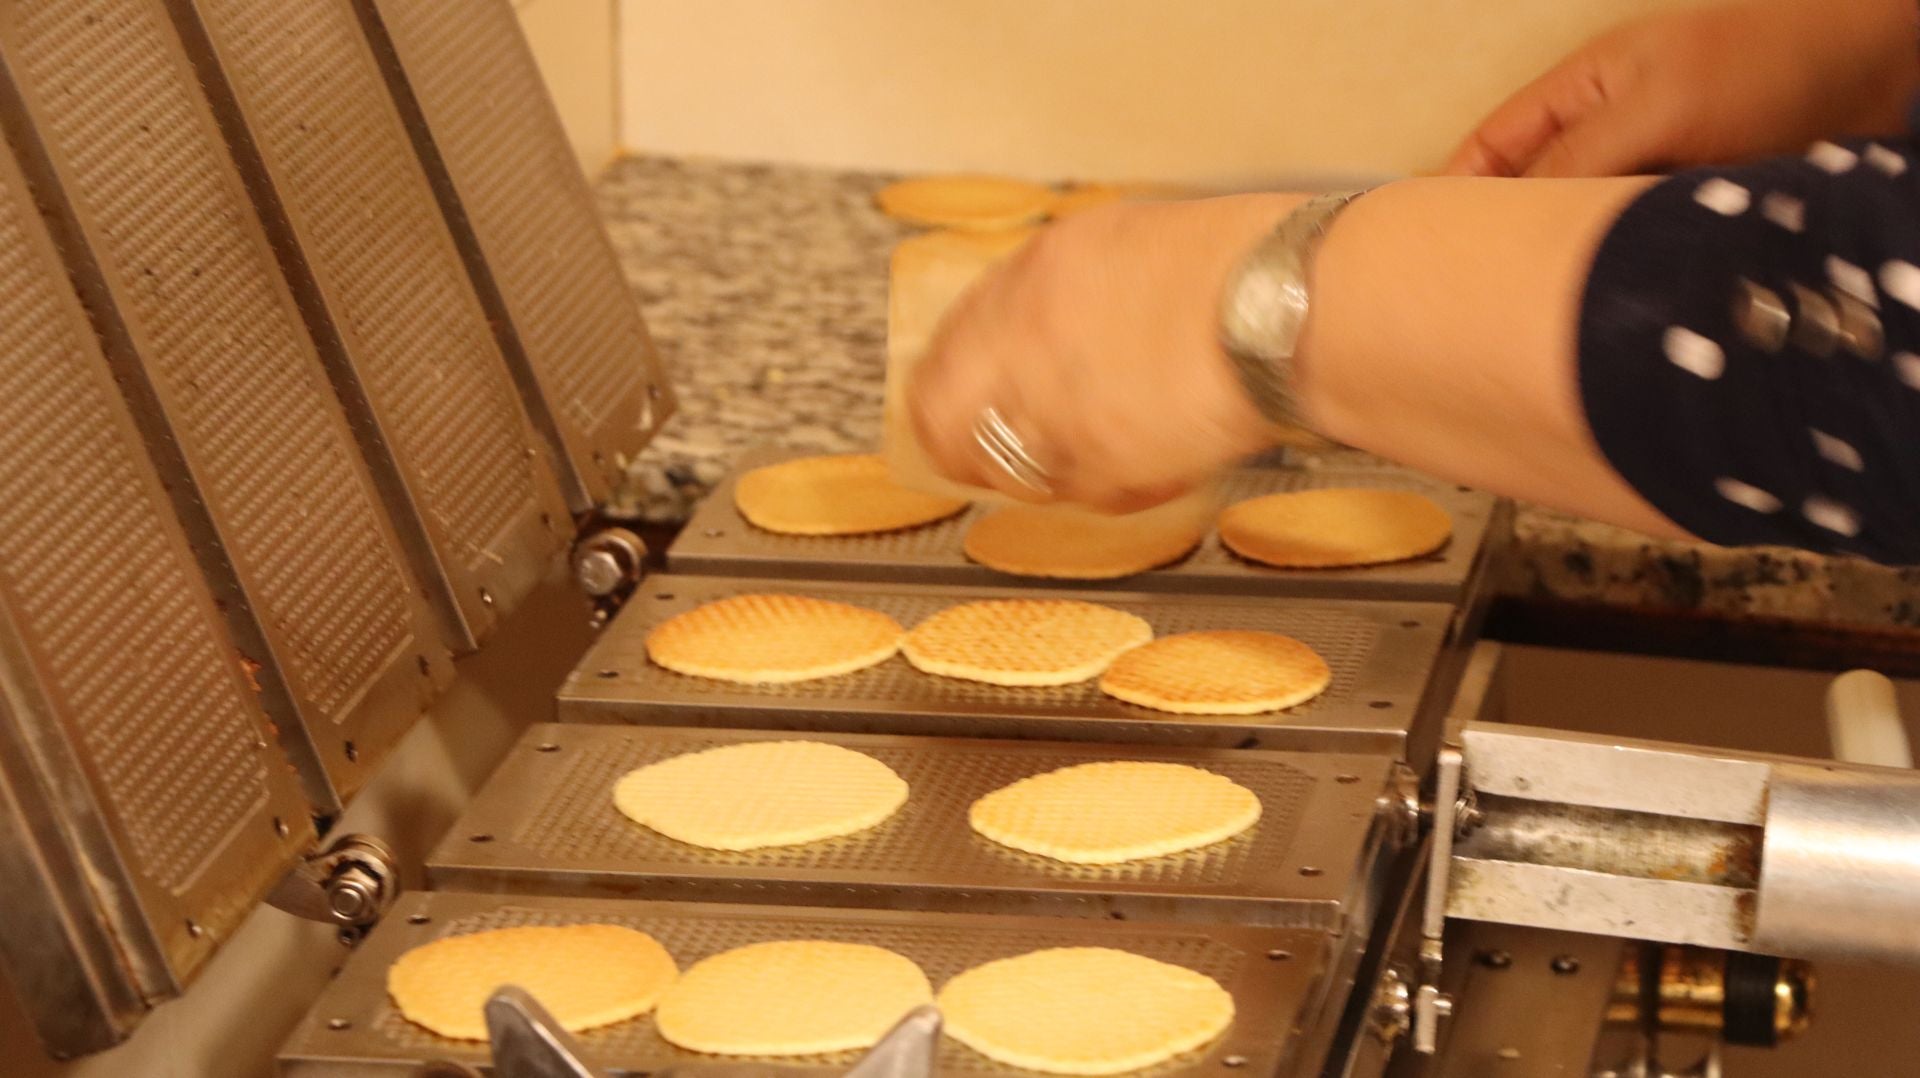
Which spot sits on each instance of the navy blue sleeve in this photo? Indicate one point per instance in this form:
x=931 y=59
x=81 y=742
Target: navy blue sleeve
x=1749 y=350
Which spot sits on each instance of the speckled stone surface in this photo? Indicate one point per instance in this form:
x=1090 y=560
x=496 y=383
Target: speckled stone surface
x=765 y=288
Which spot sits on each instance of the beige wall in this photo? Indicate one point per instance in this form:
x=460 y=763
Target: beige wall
x=573 y=40
x=1227 y=90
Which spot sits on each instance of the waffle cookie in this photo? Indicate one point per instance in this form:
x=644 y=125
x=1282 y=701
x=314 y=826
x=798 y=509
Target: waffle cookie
x=850 y=494
x=791 y=997
x=1325 y=529
x=1074 y=544
x=973 y=203
x=1083 y=1010
x=1222 y=672
x=1123 y=810
x=773 y=639
x=585 y=975
x=1024 y=641
x=760 y=794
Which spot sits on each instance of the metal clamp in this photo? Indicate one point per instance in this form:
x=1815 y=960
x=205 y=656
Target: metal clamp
x=350 y=884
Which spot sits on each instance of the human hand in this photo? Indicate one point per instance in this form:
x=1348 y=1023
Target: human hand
x=1098 y=343
x=1708 y=85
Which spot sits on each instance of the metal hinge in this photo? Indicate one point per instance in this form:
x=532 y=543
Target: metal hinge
x=350 y=884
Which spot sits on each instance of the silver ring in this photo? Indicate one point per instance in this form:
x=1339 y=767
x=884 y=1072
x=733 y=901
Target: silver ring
x=998 y=439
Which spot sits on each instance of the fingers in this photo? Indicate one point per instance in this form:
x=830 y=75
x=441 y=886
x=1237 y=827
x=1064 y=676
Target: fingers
x=1620 y=139
x=1513 y=137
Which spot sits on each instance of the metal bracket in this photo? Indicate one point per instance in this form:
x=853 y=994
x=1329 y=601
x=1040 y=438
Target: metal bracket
x=1452 y=810
x=350 y=884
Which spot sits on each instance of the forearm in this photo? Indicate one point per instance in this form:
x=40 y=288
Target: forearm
x=1444 y=335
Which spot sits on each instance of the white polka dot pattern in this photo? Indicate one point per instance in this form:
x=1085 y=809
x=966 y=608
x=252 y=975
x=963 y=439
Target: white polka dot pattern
x=1837 y=450
x=1886 y=160
x=1831 y=515
x=1746 y=494
x=1694 y=354
x=1832 y=158
x=1784 y=210
x=1901 y=280
x=1723 y=196
x=1908 y=366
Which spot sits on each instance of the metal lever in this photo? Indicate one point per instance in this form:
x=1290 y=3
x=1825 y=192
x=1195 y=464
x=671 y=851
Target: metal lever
x=527 y=1042
x=908 y=1049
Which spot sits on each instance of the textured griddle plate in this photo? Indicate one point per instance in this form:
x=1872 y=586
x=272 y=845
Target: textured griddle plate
x=719 y=540
x=383 y=287
x=545 y=823
x=532 y=234
x=1274 y=975
x=1383 y=657
x=214 y=357
x=127 y=728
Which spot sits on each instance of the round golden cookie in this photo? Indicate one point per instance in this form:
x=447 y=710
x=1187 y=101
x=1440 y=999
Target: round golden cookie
x=1218 y=672
x=1073 y=544
x=789 y=998
x=973 y=203
x=1024 y=641
x=760 y=794
x=1114 y=811
x=1083 y=1010
x=773 y=639
x=586 y=976
x=1325 y=529
x=850 y=494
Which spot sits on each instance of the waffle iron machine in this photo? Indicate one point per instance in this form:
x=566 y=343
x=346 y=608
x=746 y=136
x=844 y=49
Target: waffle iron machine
x=316 y=360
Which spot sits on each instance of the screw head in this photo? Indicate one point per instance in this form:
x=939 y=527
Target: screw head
x=598 y=573
x=1564 y=964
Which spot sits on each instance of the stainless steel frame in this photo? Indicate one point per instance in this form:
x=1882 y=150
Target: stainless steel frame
x=382 y=290
x=1385 y=659
x=103 y=112
x=144 y=806
x=526 y=224
x=1275 y=975
x=545 y=824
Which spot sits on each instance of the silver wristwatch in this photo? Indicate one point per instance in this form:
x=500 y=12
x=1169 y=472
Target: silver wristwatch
x=1264 y=307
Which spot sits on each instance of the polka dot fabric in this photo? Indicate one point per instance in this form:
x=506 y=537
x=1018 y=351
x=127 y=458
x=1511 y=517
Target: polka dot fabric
x=1750 y=350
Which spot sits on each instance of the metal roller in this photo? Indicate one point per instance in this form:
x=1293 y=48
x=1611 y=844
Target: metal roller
x=1840 y=864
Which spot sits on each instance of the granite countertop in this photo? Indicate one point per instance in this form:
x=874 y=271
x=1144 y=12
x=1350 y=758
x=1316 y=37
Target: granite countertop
x=765 y=288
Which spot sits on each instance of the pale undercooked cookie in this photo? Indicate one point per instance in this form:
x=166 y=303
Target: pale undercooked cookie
x=772 y=639
x=759 y=794
x=1024 y=641
x=977 y=203
x=584 y=975
x=850 y=494
x=1083 y=1010
x=1325 y=529
x=791 y=997
x=1120 y=810
x=1074 y=544
x=1220 y=672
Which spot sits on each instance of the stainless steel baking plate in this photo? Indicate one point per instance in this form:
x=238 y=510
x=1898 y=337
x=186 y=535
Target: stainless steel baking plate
x=545 y=823
x=719 y=540
x=1383 y=657
x=1275 y=975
